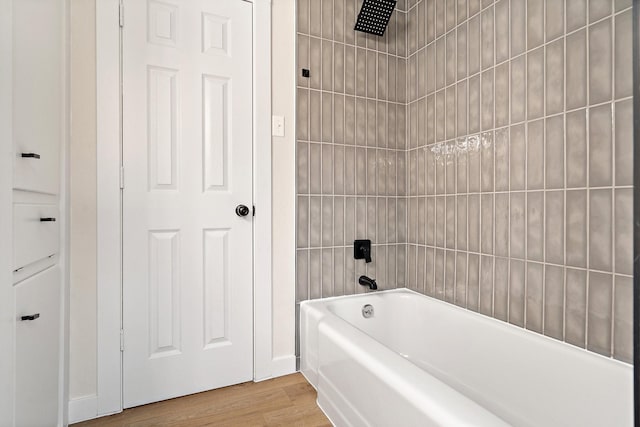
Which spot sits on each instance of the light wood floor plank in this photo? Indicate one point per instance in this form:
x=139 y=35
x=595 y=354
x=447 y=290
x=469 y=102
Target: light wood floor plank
x=284 y=401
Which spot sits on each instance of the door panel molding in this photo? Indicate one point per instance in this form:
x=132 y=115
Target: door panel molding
x=109 y=152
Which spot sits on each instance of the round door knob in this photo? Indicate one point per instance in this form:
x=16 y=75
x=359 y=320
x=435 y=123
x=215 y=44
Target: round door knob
x=242 y=210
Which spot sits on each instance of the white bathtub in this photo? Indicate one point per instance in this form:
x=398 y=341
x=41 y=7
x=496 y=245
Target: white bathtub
x=423 y=362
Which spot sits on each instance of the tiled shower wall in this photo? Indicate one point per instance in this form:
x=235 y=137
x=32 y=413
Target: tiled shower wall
x=514 y=118
x=519 y=163
x=351 y=152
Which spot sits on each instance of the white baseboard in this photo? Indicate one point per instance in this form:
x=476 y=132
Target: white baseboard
x=83 y=408
x=280 y=366
x=283 y=365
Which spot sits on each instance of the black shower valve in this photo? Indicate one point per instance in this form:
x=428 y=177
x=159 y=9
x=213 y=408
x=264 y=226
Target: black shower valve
x=362 y=250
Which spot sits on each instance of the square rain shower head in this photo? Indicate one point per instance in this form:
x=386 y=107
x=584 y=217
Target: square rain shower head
x=374 y=16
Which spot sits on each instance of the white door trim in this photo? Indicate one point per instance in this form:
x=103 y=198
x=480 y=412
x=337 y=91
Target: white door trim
x=109 y=221
x=6 y=214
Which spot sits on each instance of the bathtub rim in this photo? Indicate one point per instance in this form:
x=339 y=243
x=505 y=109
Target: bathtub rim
x=320 y=305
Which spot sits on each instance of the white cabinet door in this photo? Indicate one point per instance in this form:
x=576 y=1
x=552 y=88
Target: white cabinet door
x=187 y=256
x=37 y=349
x=36 y=233
x=38 y=101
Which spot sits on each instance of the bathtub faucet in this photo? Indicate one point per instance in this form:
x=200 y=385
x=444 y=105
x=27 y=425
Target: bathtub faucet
x=367 y=281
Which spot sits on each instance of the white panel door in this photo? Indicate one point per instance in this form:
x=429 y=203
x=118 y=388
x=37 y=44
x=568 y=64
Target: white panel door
x=187 y=154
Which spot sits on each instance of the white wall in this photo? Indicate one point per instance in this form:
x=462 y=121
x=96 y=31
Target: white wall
x=82 y=376
x=284 y=174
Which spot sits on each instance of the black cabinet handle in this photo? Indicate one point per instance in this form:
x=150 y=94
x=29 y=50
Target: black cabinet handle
x=30 y=317
x=47 y=220
x=30 y=155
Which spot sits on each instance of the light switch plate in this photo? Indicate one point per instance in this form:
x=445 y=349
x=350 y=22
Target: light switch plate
x=277 y=126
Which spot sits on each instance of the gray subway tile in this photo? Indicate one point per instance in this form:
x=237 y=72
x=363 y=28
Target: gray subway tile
x=554 y=77
x=502 y=224
x=302 y=168
x=554 y=19
x=502 y=95
x=534 y=297
x=315 y=62
x=315 y=273
x=302 y=115
x=517 y=157
x=554 y=227
x=502 y=159
x=474 y=45
x=517 y=293
x=502 y=30
x=554 y=301
x=623 y=49
x=624 y=231
x=473 y=285
x=600 y=146
x=303 y=59
x=338 y=67
x=450 y=222
x=599 y=313
x=315 y=222
x=315 y=168
x=327 y=273
x=517 y=225
x=487 y=38
x=576 y=307
x=338 y=272
x=576 y=141
x=327 y=65
x=338 y=119
x=598 y=9
x=327 y=169
x=535 y=83
x=303 y=16
x=501 y=289
x=315 y=116
x=576 y=223
x=302 y=222
x=461 y=222
x=302 y=275
x=600 y=230
x=576 y=64
x=518 y=27
x=535 y=226
x=623 y=319
x=600 y=59
x=450 y=276
x=487 y=223
x=486 y=285
x=327 y=117
x=535 y=23
x=487 y=100
x=461 y=279
x=461 y=52
x=624 y=142
x=554 y=153
x=474 y=105
x=576 y=14
x=439 y=269
x=535 y=155
x=338 y=221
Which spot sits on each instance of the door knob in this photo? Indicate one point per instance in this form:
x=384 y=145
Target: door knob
x=242 y=210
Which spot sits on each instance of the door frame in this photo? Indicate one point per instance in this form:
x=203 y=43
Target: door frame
x=109 y=202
